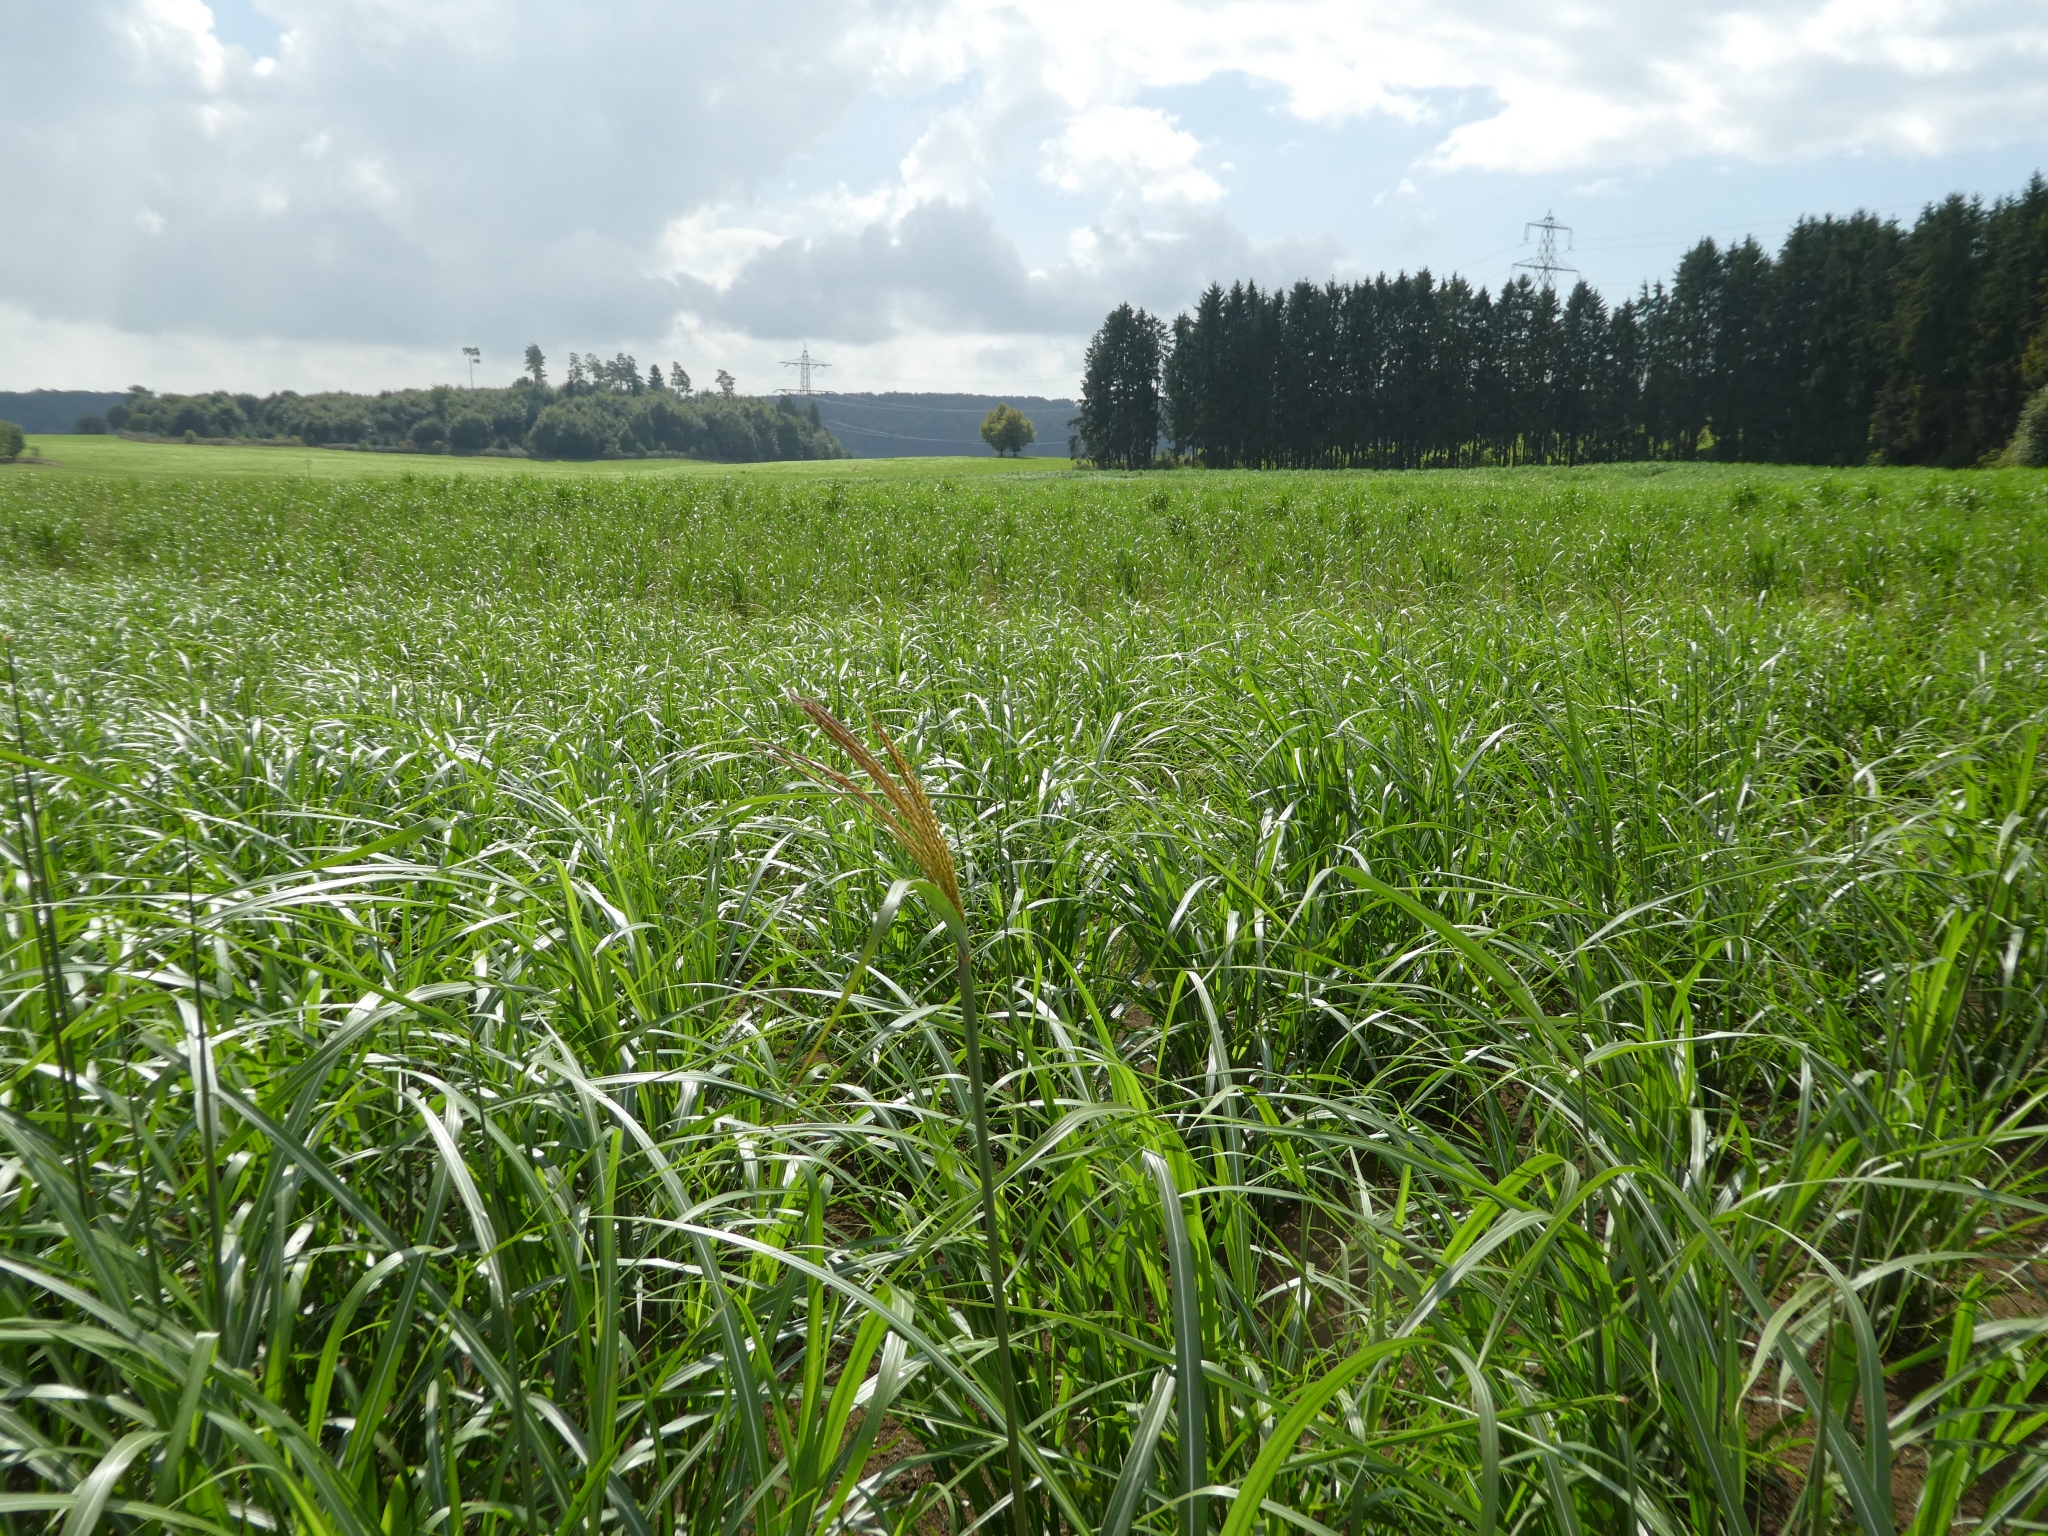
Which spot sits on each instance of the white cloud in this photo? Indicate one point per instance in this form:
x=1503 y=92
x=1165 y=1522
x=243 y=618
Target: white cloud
x=179 y=34
x=1133 y=150
x=703 y=246
x=70 y=354
x=1589 y=83
x=910 y=360
x=396 y=177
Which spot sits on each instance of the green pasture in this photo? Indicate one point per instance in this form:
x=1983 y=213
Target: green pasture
x=1510 y=1002
x=162 y=461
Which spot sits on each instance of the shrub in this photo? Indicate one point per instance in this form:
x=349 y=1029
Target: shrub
x=668 y=426
x=11 y=441
x=583 y=428
x=469 y=432
x=2030 y=442
x=514 y=414
x=214 y=415
x=733 y=437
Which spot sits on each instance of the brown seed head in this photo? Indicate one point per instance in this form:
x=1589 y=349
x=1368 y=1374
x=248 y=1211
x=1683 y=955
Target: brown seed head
x=901 y=804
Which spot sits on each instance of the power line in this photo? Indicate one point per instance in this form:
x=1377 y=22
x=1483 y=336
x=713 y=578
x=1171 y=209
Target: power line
x=905 y=386
x=857 y=403
x=897 y=437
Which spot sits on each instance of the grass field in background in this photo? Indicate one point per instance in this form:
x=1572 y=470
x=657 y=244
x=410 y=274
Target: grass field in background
x=120 y=456
x=1512 y=1002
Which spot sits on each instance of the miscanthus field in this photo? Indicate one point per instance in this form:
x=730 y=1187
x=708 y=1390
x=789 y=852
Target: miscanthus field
x=1507 y=1003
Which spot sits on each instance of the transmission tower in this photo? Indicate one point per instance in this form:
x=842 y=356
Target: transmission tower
x=1546 y=266
x=803 y=363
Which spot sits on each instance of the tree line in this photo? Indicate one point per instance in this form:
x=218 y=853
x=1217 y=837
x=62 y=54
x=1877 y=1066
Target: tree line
x=602 y=409
x=1858 y=341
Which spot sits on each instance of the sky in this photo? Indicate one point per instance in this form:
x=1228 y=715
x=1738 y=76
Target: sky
x=928 y=194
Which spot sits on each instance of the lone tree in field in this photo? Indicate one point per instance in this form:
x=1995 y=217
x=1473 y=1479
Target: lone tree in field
x=1008 y=430
x=11 y=441
x=1119 y=420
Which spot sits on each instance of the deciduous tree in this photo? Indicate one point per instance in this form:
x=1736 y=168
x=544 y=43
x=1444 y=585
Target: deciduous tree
x=1005 y=429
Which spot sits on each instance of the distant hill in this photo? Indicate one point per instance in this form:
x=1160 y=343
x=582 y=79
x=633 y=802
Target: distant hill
x=58 y=410
x=890 y=426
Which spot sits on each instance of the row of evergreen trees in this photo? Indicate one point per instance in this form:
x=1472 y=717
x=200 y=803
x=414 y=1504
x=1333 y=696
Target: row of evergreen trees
x=1859 y=341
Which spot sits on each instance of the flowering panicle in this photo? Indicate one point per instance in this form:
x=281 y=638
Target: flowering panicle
x=901 y=806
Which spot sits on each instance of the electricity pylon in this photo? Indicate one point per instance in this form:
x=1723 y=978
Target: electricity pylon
x=1546 y=266
x=803 y=363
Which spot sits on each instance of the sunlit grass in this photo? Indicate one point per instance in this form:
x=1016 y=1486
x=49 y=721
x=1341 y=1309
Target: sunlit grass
x=1510 y=1003
x=59 y=454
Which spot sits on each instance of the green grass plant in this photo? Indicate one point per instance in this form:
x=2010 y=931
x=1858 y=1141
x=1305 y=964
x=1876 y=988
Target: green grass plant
x=895 y=797
x=1509 y=1003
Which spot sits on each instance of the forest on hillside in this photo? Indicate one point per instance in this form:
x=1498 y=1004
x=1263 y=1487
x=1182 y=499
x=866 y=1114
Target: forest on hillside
x=605 y=411
x=1858 y=341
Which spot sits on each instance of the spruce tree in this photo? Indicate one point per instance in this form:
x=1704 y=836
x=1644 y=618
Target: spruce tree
x=2009 y=313
x=1831 y=312
x=1925 y=414
x=1119 y=421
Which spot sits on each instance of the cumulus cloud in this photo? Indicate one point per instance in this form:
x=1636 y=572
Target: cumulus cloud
x=1132 y=150
x=1567 y=84
x=973 y=179
x=702 y=245
x=404 y=171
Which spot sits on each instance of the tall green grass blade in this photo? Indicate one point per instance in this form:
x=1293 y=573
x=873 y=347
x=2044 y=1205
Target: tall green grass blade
x=99 y=1484
x=178 y=1442
x=1137 y=1469
x=1187 y=1348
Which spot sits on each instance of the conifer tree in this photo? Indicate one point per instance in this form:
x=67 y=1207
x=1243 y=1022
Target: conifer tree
x=1119 y=422
x=1925 y=415
x=1831 y=314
